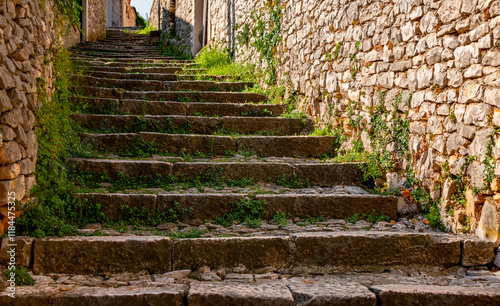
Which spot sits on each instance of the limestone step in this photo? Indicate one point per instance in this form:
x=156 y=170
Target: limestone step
x=122 y=54
x=134 y=76
x=160 y=58
x=318 y=174
x=62 y=295
x=141 y=107
x=316 y=253
x=209 y=206
x=207 y=86
x=159 y=76
x=279 y=146
x=198 y=96
x=140 y=85
x=131 y=50
x=193 y=124
x=92 y=64
x=180 y=96
x=144 y=69
x=403 y=294
x=135 y=60
x=150 y=84
x=303 y=291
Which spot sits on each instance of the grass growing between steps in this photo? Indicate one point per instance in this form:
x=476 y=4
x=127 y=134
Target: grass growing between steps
x=217 y=62
x=250 y=211
x=213 y=177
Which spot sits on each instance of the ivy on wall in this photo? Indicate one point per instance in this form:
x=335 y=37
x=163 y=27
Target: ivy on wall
x=266 y=34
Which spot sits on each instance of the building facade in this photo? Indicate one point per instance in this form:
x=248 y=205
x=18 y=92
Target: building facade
x=119 y=13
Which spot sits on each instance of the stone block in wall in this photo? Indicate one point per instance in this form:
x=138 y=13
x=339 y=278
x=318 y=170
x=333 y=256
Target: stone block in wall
x=466 y=56
x=477 y=114
x=17 y=185
x=10 y=152
x=10 y=172
x=5 y=102
x=6 y=79
x=12 y=118
x=492 y=58
x=475 y=172
x=489 y=224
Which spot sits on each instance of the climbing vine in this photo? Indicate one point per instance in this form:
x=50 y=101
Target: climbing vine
x=266 y=34
x=382 y=135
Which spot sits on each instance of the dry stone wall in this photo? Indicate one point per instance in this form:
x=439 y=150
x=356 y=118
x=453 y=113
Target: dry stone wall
x=437 y=59
x=27 y=35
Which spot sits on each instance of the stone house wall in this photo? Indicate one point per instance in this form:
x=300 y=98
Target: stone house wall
x=96 y=24
x=164 y=7
x=441 y=56
x=116 y=13
x=27 y=35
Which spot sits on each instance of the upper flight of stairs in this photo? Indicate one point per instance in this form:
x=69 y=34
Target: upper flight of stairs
x=135 y=96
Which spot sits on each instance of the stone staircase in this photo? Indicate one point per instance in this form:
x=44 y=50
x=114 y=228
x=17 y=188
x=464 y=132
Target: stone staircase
x=214 y=130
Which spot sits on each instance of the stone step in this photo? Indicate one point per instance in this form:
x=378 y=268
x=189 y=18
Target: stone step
x=209 y=206
x=194 y=124
x=173 y=294
x=144 y=69
x=134 y=76
x=124 y=81
x=318 y=174
x=160 y=58
x=263 y=146
x=122 y=54
x=141 y=107
x=134 y=60
x=263 y=292
x=403 y=294
x=139 y=50
x=139 y=85
x=207 y=86
x=92 y=64
x=158 y=76
x=316 y=253
x=198 y=96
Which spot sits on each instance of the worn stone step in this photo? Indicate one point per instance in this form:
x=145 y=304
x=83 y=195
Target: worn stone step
x=209 y=206
x=258 y=171
x=267 y=294
x=126 y=84
x=112 y=63
x=316 y=253
x=135 y=76
x=265 y=146
x=193 y=124
x=97 y=255
x=173 y=295
x=98 y=92
x=231 y=293
x=207 y=86
x=152 y=57
x=141 y=107
x=145 y=69
x=198 y=96
x=406 y=294
x=121 y=54
x=145 y=60
x=127 y=81
x=110 y=49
